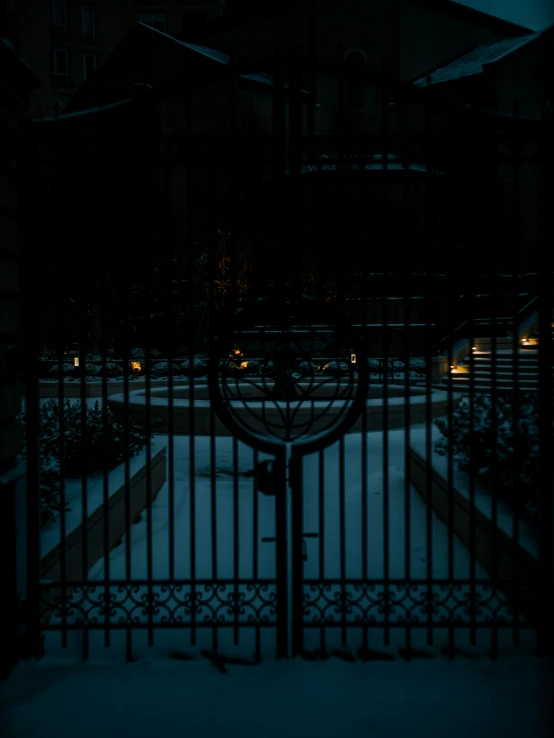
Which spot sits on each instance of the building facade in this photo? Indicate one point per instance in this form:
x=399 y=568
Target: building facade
x=64 y=41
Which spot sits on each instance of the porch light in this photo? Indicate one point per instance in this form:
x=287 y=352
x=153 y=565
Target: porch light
x=75 y=361
x=352 y=358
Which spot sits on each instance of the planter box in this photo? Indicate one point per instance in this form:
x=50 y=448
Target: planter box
x=517 y=561
x=50 y=538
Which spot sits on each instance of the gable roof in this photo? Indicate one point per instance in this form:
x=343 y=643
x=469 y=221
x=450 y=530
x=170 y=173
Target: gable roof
x=137 y=43
x=249 y=10
x=474 y=61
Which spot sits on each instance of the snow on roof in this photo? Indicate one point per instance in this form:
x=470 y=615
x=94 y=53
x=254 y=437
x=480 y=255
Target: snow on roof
x=473 y=62
x=371 y=162
x=219 y=57
x=87 y=112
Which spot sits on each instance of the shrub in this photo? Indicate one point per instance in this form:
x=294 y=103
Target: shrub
x=501 y=457
x=161 y=368
x=197 y=368
x=336 y=368
x=68 y=370
x=105 y=446
x=307 y=368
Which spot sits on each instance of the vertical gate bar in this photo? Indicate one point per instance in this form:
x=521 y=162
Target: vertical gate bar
x=30 y=285
x=281 y=550
x=211 y=318
x=428 y=282
x=148 y=335
x=472 y=468
x=255 y=521
x=96 y=146
x=341 y=169
x=321 y=527
x=278 y=279
x=190 y=138
x=295 y=247
x=545 y=641
x=495 y=481
x=363 y=293
x=279 y=122
x=385 y=124
x=61 y=430
x=297 y=584
x=340 y=282
x=213 y=510
x=408 y=245
x=472 y=442
x=236 y=534
x=125 y=338
x=83 y=309
x=172 y=288
x=365 y=490
x=450 y=290
x=105 y=468
x=342 y=523
x=516 y=244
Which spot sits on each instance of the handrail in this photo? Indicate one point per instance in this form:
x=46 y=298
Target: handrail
x=485 y=321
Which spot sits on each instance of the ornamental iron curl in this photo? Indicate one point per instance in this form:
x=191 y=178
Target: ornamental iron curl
x=167 y=603
x=281 y=373
x=403 y=603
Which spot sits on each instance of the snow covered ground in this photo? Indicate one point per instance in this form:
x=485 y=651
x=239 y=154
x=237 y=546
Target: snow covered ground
x=171 y=688
x=434 y=698
x=220 y=563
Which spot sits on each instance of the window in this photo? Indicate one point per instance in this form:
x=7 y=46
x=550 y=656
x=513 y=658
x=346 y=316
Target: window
x=155 y=20
x=355 y=88
x=89 y=65
x=88 y=22
x=60 y=66
x=59 y=14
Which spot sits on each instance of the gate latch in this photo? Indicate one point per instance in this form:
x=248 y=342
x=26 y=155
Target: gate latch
x=270 y=477
x=272 y=539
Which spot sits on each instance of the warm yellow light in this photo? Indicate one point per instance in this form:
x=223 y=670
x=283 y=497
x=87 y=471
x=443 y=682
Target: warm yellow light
x=76 y=361
x=243 y=365
x=352 y=358
x=135 y=366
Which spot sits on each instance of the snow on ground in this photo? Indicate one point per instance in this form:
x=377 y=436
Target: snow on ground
x=224 y=463
x=332 y=699
x=61 y=697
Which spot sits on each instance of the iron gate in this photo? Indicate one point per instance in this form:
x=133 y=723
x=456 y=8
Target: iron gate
x=332 y=255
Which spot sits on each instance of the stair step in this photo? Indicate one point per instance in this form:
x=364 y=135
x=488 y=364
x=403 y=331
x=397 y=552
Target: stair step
x=501 y=375
x=466 y=379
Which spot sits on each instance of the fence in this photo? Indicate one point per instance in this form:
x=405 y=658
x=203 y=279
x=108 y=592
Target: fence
x=357 y=534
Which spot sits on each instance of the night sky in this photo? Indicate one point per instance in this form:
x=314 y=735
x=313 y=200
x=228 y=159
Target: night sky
x=534 y=14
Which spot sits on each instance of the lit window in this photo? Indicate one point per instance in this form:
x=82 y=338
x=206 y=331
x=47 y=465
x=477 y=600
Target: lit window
x=88 y=21
x=89 y=65
x=59 y=14
x=60 y=67
x=155 y=20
